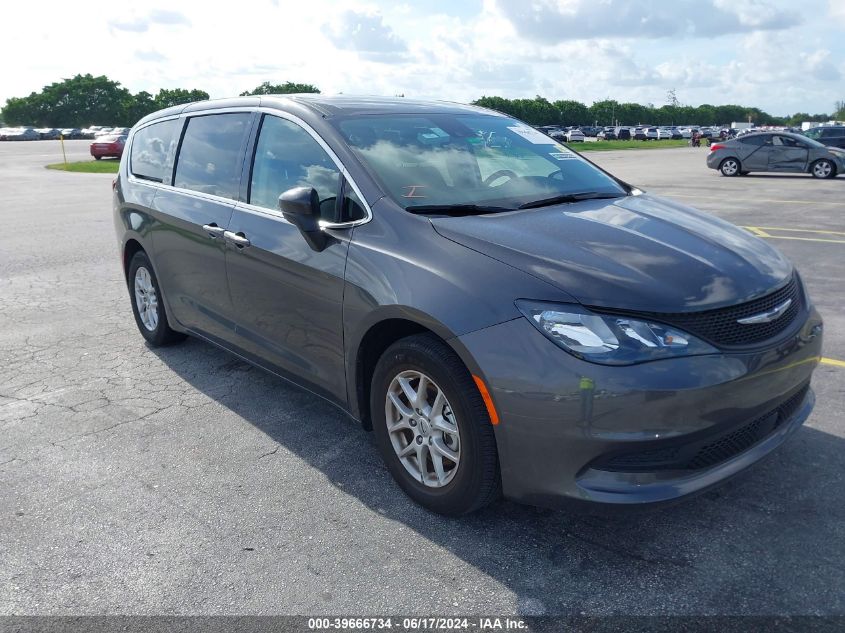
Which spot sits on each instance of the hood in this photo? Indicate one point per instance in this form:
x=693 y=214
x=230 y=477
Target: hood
x=636 y=253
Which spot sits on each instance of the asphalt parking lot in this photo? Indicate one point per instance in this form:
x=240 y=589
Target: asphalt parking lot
x=183 y=481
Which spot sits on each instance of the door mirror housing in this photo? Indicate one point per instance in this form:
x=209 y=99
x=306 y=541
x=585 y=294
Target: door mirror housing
x=301 y=207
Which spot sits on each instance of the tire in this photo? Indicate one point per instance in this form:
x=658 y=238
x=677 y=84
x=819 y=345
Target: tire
x=729 y=167
x=145 y=291
x=744 y=173
x=457 y=489
x=97 y=157
x=823 y=168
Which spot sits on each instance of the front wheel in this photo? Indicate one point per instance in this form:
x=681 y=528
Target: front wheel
x=432 y=427
x=823 y=169
x=729 y=167
x=97 y=157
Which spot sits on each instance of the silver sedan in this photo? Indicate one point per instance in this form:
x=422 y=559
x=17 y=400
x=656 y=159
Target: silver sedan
x=778 y=152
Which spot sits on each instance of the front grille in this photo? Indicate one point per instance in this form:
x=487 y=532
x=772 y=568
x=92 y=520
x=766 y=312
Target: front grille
x=721 y=328
x=708 y=451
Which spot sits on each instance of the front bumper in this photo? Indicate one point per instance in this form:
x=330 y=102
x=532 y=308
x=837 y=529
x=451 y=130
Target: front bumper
x=563 y=420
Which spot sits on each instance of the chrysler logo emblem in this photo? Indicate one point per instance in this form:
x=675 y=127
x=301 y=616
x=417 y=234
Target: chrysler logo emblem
x=766 y=317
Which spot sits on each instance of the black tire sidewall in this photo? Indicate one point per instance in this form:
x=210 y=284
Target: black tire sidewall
x=461 y=495
x=162 y=335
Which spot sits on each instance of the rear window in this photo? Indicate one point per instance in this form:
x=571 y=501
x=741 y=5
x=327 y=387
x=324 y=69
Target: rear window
x=152 y=150
x=833 y=132
x=210 y=159
x=755 y=140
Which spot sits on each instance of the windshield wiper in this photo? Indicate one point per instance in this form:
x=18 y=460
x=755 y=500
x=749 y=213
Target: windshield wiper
x=570 y=197
x=455 y=209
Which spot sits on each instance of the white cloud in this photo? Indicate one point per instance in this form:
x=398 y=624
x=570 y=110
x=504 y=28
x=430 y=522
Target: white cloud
x=366 y=33
x=759 y=53
x=560 y=20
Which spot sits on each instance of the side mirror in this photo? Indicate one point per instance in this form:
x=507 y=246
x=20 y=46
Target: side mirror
x=301 y=207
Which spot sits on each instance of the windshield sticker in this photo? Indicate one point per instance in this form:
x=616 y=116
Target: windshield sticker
x=412 y=191
x=531 y=135
x=567 y=155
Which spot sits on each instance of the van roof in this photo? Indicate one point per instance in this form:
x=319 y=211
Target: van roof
x=325 y=105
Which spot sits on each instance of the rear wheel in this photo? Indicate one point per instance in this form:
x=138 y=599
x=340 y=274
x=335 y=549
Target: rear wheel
x=729 y=167
x=147 y=304
x=432 y=427
x=823 y=169
x=97 y=157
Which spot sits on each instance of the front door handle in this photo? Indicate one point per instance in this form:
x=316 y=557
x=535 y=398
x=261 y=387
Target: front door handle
x=213 y=230
x=238 y=239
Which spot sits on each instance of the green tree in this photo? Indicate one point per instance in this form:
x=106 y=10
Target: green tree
x=572 y=112
x=177 y=96
x=839 y=108
x=605 y=112
x=78 y=101
x=288 y=87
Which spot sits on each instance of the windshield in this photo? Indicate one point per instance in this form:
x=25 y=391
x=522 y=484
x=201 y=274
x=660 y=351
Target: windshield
x=473 y=160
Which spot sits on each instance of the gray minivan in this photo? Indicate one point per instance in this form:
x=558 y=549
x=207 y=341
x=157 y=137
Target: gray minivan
x=504 y=315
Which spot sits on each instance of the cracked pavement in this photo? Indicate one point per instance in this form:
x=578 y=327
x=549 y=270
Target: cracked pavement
x=183 y=481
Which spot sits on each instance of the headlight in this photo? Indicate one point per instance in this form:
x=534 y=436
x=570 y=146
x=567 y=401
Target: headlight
x=610 y=339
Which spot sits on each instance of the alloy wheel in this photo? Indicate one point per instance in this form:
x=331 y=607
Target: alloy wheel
x=822 y=169
x=730 y=167
x=146 y=299
x=422 y=428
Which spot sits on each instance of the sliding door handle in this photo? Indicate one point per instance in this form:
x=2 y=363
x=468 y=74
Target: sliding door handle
x=213 y=230
x=238 y=239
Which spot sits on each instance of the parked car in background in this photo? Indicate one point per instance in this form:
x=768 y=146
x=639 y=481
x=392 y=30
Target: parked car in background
x=639 y=134
x=590 y=130
x=47 y=133
x=623 y=133
x=516 y=323
x=104 y=131
x=775 y=151
x=675 y=134
x=830 y=135
x=606 y=135
x=21 y=134
x=651 y=133
x=574 y=135
x=108 y=146
x=554 y=131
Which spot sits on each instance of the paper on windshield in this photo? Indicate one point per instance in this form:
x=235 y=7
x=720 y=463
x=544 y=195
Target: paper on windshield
x=531 y=135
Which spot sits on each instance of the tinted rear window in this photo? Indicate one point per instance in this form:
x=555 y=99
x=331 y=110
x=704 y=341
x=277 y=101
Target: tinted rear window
x=754 y=140
x=210 y=159
x=152 y=150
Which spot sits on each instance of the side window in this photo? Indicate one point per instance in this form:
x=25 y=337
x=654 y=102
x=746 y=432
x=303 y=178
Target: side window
x=153 y=149
x=788 y=141
x=287 y=156
x=210 y=158
x=353 y=209
x=755 y=140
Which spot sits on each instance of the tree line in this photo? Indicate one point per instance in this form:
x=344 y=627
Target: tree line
x=541 y=111
x=87 y=100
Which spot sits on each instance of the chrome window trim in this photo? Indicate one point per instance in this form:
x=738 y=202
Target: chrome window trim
x=245 y=205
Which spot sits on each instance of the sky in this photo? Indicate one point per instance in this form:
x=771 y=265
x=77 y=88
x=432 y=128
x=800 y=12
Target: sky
x=779 y=55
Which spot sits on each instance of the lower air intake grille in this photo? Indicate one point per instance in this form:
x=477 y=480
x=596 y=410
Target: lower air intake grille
x=708 y=451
